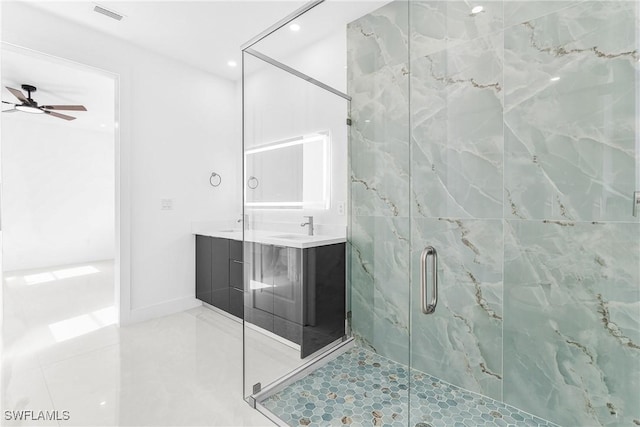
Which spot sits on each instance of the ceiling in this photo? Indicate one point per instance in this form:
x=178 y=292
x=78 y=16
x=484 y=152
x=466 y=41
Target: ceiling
x=204 y=34
x=59 y=82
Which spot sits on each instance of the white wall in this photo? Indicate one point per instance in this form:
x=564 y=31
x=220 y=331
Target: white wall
x=177 y=124
x=279 y=105
x=58 y=193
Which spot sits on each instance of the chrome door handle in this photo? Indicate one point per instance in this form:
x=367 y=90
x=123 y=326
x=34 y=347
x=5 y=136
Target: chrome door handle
x=428 y=307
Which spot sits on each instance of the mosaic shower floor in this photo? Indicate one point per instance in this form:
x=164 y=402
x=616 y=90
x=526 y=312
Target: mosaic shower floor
x=361 y=388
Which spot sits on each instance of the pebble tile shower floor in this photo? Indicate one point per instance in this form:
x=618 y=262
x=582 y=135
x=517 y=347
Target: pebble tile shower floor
x=361 y=388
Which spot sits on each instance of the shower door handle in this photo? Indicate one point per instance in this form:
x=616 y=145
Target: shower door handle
x=428 y=307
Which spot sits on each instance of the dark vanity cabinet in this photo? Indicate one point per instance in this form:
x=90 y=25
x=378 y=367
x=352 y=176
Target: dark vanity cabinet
x=236 y=283
x=324 y=277
x=274 y=280
x=219 y=273
x=204 y=264
x=298 y=294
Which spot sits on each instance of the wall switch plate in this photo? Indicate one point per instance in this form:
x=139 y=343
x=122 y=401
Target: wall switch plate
x=340 y=206
x=166 y=204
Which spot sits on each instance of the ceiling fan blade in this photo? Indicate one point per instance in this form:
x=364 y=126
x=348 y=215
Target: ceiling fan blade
x=65 y=107
x=60 y=116
x=5 y=102
x=10 y=110
x=18 y=94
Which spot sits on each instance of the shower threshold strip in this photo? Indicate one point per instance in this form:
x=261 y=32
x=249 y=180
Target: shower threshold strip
x=361 y=388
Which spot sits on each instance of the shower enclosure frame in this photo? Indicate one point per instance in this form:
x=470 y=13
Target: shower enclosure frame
x=517 y=231
x=330 y=352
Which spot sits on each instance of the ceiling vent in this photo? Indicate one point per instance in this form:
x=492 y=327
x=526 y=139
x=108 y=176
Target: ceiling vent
x=107 y=12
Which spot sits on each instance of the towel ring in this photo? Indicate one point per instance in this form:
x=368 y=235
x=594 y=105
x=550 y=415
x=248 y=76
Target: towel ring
x=215 y=179
x=253 y=182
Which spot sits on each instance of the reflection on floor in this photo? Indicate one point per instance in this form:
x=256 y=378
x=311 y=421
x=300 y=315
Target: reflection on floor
x=361 y=388
x=62 y=351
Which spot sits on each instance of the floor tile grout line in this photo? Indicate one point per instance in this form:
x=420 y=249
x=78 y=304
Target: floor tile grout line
x=80 y=354
x=46 y=385
x=475 y=397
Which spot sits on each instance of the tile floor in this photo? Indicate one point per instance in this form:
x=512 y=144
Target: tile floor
x=62 y=351
x=362 y=388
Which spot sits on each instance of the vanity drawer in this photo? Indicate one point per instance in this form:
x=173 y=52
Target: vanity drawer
x=236 y=274
x=235 y=250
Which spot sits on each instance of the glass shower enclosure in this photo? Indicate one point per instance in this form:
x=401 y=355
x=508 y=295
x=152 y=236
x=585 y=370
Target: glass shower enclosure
x=493 y=242
x=295 y=111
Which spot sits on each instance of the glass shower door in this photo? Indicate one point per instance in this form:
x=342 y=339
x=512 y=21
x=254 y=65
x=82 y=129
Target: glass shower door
x=524 y=162
x=295 y=136
x=380 y=232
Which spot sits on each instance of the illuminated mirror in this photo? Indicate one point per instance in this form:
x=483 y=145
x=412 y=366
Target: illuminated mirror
x=289 y=174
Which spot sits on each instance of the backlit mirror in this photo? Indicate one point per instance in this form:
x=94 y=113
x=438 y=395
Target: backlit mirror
x=289 y=174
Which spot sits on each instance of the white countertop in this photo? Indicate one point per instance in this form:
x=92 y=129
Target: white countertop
x=278 y=238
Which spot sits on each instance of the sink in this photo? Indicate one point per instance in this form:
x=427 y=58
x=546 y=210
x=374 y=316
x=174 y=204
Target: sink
x=292 y=237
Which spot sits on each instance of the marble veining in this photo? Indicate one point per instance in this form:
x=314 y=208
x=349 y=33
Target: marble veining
x=448 y=80
x=561 y=50
x=378 y=40
x=380 y=266
x=440 y=25
x=580 y=63
x=379 y=134
x=392 y=206
x=462 y=340
x=457 y=131
x=573 y=287
x=507 y=140
x=517 y=12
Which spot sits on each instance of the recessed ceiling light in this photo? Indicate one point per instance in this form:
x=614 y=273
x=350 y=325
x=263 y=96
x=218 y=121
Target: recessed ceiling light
x=232 y=63
x=554 y=79
x=476 y=10
x=294 y=27
x=102 y=125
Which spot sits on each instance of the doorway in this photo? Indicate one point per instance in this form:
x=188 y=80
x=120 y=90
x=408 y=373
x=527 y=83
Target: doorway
x=60 y=257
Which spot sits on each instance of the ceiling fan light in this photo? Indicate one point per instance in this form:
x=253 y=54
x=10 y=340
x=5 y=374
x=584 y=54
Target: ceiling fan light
x=29 y=109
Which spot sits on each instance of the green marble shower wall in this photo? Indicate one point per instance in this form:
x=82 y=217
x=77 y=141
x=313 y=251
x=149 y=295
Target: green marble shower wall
x=508 y=140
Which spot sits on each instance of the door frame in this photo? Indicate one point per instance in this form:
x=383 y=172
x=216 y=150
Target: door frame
x=122 y=223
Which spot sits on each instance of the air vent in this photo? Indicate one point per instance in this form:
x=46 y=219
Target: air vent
x=107 y=12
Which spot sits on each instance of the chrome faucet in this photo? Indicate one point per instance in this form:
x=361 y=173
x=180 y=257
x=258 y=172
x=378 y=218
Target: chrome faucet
x=309 y=223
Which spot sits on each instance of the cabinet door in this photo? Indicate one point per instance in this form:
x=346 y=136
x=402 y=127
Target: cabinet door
x=220 y=273
x=235 y=274
x=236 y=302
x=236 y=278
x=288 y=330
x=203 y=268
x=325 y=298
x=287 y=284
x=258 y=298
x=235 y=250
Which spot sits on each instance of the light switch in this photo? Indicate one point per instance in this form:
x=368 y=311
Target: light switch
x=166 y=204
x=340 y=206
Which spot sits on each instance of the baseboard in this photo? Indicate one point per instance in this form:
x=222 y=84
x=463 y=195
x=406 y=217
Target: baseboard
x=163 y=309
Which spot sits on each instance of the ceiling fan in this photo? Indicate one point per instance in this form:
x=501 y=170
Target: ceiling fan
x=28 y=105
